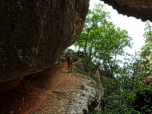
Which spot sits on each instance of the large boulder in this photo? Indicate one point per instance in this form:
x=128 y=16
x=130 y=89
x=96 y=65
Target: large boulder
x=34 y=33
x=4 y=86
x=140 y=9
x=97 y=75
x=95 y=104
x=80 y=66
x=148 y=81
x=70 y=53
x=63 y=59
x=80 y=53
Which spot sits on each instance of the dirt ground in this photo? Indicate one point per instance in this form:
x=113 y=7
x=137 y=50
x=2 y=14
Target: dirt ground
x=41 y=93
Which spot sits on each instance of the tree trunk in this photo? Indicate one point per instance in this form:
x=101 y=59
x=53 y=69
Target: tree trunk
x=86 y=67
x=94 y=69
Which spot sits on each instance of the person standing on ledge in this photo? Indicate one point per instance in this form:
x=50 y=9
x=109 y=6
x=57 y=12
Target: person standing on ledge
x=70 y=64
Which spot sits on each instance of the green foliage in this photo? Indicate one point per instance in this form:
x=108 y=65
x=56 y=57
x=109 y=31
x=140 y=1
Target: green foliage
x=93 y=77
x=116 y=90
x=66 y=50
x=76 y=69
x=81 y=72
x=76 y=59
x=95 y=85
x=82 y=86
x=83 y=61
x=146 y=49
x=141 y=99
x=85 y=73
x=101 y=40
x=90 y=65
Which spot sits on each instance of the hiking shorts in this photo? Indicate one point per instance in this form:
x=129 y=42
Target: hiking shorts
x=70 y=66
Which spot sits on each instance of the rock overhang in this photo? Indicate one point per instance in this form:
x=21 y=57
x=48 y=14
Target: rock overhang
x=34 y=33
x=140 y=9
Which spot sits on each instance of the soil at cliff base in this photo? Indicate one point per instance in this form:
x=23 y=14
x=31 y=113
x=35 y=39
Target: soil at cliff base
x=41 y=93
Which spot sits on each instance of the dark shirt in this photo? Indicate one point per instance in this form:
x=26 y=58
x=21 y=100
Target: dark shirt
x=69 y=61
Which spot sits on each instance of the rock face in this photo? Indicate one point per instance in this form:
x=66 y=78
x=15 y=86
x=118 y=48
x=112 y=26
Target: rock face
x=80 y=53
x=70 y=53
x=34 y=33
x=4 y=86
x=141 y=9
x=80 y=66
x=63 y=59
x=148 y=81
x=97 y=75
x=93 y=104
x=94 y=101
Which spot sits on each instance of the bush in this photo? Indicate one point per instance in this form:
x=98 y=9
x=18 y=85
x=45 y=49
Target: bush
x=127 y=101
x=141 y=99
x=83 y=61
x=114 y=99
x=82 y=86
x=66 y=50
x=80 y=54
x=76 y=59
x=93 y=77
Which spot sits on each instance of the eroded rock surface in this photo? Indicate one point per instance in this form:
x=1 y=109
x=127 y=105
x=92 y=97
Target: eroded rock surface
x=141 y=9
x=94 y=99
x=148 y=81
x=34 y=33
x=70 y=53
x=4 y=86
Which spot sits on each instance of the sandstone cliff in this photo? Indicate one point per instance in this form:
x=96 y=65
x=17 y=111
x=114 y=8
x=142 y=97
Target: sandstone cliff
x=34 y=33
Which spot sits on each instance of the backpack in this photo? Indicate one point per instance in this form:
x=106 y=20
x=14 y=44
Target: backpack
x=71 y=61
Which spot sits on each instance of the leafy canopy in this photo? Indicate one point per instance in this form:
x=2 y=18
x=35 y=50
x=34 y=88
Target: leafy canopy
x=147 y=48
x=101 y=40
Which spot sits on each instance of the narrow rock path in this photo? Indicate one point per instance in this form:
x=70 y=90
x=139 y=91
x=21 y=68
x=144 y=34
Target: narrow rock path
x=42 y=93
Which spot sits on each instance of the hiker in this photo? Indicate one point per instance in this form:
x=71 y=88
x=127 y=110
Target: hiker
x=70 y=64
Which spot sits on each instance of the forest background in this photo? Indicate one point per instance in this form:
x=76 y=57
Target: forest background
x=102 y=42
x=135 y=28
